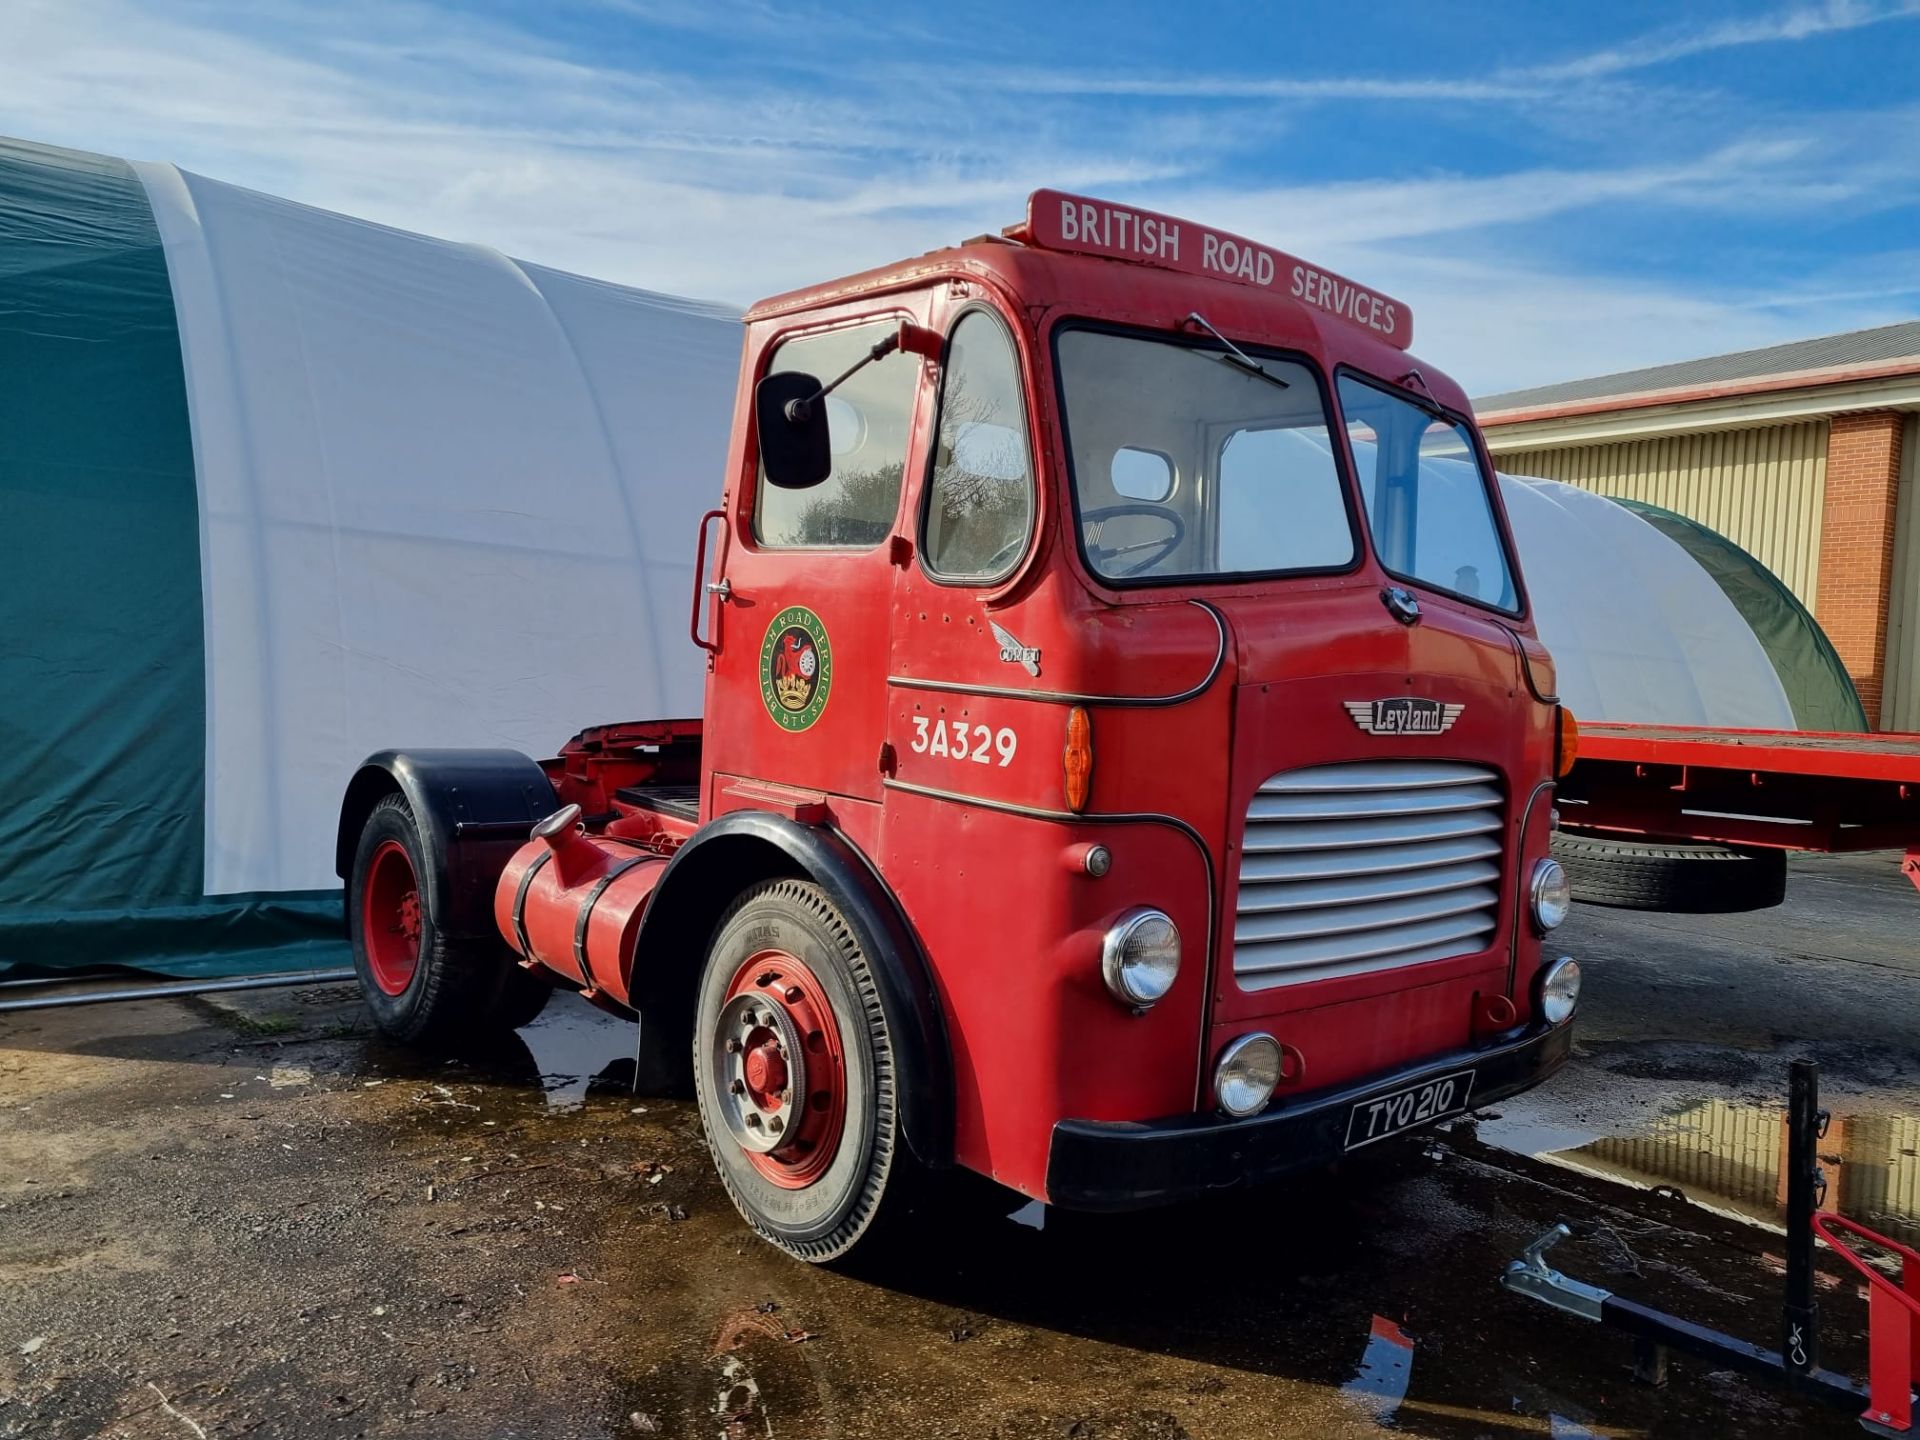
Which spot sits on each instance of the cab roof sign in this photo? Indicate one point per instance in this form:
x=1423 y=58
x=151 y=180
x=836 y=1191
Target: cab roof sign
x=1058 y=221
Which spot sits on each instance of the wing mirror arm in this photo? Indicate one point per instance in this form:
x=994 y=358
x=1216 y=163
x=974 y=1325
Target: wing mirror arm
x=912 y=338
x=795 y=449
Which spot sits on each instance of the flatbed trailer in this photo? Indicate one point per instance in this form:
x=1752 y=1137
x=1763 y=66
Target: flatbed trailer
x=1765 y=789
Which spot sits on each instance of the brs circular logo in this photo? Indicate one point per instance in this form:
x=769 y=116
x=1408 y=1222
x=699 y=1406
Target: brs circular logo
x=796 y=668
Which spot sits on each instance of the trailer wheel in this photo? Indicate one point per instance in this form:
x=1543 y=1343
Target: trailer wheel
x=794 y=1073
x=422 y=986
x=1671 y=875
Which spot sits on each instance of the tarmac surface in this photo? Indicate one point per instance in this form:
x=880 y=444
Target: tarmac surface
x=251 y=1217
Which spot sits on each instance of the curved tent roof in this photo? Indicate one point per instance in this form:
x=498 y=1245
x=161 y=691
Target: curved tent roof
x=1815 y=678
x=1639 y=631
x=288 y=487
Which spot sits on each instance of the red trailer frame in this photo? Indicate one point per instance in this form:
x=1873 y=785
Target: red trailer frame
x=1772 y=789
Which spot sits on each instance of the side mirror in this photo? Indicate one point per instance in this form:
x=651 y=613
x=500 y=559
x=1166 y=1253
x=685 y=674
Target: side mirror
x=794 y=449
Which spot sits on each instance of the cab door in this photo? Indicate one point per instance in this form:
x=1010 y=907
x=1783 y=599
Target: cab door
x=971 y=630
x=798 y=690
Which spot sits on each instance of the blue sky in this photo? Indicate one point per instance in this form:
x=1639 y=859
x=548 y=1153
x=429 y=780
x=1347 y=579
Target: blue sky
x=1557 y=190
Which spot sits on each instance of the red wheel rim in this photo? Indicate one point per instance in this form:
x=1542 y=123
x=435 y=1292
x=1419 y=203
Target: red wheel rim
x=390 y=918
x=779 y=1069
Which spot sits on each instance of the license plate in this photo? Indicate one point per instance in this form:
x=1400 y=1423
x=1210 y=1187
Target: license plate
x=1399 y=1110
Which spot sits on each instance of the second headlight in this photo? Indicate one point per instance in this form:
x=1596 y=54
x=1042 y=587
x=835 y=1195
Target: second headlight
x=1140 y=956
x=1550 y=895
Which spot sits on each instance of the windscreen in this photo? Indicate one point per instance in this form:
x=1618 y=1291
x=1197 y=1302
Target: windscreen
x=1188 y=464
x=1425 y=497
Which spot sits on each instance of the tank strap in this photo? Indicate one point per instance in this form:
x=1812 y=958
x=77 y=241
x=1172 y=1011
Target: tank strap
x=586 y=912
x=520 y=902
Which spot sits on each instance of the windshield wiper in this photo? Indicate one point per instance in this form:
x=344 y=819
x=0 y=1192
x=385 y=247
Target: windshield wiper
x=1235 y=355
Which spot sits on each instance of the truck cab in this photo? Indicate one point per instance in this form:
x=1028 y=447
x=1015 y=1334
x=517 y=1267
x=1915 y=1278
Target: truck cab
x=1127 y=760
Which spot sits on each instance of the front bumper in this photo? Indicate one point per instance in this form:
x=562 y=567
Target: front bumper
x=1122 y=1165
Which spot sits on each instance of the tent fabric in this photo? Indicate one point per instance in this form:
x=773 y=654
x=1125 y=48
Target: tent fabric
x=444 y=499
x=1638 y=630
x=101 y=664
x=1811 y=671
x=283 y=488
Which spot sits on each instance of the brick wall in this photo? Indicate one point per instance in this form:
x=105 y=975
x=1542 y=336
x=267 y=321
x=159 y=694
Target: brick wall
x=1856 y=545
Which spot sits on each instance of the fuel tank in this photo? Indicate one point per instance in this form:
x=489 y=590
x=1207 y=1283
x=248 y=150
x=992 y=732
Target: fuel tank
x=573 y=902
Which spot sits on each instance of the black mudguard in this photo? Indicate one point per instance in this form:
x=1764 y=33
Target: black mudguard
x=474 y=809
x=746 y=846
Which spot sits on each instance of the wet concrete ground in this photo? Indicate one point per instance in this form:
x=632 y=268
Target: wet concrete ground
x=253 y=1218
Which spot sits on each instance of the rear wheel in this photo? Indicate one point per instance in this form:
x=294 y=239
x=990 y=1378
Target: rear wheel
x=1671 y=875
x=421 y=985
x=794 y=1073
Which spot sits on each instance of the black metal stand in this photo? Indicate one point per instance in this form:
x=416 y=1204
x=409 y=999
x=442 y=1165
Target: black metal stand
x=1796 y=1361
x=1806 y=1189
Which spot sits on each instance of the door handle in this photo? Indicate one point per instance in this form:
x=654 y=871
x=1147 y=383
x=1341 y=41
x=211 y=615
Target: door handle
x=702 y=589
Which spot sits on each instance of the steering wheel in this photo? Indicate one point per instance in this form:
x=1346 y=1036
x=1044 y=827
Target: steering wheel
x=1006 y=554
x=1091 y=520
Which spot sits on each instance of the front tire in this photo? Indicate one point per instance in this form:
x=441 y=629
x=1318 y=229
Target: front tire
x=421 y=986
x=794 y=1074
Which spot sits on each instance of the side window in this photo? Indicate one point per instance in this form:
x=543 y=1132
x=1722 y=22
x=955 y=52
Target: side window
x=868 y=421
x=980 y=499
x=1426 y=497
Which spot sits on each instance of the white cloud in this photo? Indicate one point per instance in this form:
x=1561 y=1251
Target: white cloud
x=1508 y=84
x=745 y=183
x=1801 y=23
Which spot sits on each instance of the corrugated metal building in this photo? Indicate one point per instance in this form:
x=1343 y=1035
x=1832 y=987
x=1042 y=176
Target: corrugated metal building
x=1803 y=454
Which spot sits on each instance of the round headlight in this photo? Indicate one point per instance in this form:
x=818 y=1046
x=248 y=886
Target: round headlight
x=1551 y=894
x=1140 y=956
x=1559 y=990
x=1244 y=1078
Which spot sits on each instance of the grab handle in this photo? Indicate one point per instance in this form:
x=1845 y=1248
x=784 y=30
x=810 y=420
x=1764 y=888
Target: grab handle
x=701 y=589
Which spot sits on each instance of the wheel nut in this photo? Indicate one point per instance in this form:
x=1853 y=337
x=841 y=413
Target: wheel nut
x=776 y=1124
x=753 y=1120
x=738 y=1087
x=733 y=1047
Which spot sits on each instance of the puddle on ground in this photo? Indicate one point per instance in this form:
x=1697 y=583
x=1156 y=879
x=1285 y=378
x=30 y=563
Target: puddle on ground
x=1731 y=1157
x=570 y=1052
x=575 y=1048
x=1380 y=1382
x=1033 y=1215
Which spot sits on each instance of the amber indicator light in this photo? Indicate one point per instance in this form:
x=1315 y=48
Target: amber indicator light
x=1566 y=740
x=1077 y=758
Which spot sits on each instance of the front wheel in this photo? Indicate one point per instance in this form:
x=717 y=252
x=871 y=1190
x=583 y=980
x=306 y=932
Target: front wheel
x=420 y=985
x=794 y=1072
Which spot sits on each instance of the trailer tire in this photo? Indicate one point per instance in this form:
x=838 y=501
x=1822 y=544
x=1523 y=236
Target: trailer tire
x=784 y=975
x=1671 y=875
x=421 y=986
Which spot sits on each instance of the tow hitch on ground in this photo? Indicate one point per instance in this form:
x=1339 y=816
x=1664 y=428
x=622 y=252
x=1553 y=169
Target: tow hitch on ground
x=1885 y=1402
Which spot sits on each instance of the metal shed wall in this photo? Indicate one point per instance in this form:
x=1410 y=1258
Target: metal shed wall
x=1900 y=701
x=1763 y=488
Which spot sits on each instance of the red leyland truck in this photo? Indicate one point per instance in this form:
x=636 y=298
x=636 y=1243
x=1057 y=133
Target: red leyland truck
x=1127 y=767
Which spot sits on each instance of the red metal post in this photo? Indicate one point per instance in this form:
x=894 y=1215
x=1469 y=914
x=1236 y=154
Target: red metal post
x=1890 y=1340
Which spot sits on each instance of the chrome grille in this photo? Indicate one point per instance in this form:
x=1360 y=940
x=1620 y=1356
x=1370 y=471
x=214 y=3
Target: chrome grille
x=1349 y=869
